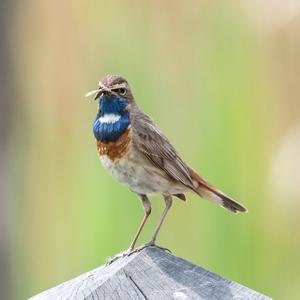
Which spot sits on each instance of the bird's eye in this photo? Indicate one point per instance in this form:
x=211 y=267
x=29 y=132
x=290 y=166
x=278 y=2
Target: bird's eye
x=122 y=91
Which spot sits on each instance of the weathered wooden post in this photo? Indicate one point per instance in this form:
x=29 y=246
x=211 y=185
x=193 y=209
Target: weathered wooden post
x=149 y=274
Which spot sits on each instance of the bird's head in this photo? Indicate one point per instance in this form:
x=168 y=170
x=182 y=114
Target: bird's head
x=112 y=85
x=115 y=100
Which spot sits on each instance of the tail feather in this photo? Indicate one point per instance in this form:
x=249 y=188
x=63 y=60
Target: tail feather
x=209 y=192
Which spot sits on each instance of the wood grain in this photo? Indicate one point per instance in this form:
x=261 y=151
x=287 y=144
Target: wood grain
x=150 y=274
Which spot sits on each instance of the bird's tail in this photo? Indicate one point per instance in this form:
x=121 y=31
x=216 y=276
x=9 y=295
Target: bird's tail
x=209 y=192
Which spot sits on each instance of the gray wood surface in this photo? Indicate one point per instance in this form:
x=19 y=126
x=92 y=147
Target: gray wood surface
x=149 y=274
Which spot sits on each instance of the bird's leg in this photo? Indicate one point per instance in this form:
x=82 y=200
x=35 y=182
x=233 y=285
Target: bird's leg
x=168 y=201
x=147 y=210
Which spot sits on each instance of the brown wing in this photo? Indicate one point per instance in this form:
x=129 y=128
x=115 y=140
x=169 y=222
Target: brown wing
x=156 y=147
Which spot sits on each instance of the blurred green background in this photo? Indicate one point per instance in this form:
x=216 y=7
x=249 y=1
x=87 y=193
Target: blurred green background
x=221 y=79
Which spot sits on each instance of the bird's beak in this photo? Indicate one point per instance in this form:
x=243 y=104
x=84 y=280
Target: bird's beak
x=98 y=92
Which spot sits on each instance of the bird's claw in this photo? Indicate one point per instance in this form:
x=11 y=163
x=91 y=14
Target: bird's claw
x=113 y=259
x=149 y=244
x=132 y=251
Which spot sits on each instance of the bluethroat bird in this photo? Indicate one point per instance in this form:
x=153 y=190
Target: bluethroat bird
x=137 y=154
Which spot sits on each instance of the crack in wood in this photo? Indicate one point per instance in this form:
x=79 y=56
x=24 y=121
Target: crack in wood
x=136 y=285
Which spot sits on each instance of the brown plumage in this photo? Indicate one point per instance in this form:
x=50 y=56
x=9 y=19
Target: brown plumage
x=139 y=155
x=209 y=192
x=156 y=147
x=115 y=150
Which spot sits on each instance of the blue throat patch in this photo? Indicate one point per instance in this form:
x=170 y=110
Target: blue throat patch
x=110 y=132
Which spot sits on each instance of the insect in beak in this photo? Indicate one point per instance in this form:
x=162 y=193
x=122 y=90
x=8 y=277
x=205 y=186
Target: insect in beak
x=91 y=93
x=98 y=92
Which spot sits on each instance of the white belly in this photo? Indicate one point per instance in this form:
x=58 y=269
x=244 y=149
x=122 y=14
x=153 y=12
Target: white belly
x=140 y=177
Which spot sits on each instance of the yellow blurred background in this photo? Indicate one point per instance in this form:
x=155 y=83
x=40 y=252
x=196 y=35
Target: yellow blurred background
x=220 y=78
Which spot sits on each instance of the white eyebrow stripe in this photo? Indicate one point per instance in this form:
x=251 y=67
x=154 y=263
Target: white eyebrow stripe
x=109 y=118
x=117 y=86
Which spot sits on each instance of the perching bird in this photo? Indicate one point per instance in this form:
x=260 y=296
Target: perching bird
x=137 y=154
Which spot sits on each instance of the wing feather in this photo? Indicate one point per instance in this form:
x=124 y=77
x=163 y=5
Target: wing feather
x=156 y=147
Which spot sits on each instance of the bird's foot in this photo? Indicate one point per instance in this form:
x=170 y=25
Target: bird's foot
x=149 y=244
x=132 y=251
x=120 y=255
